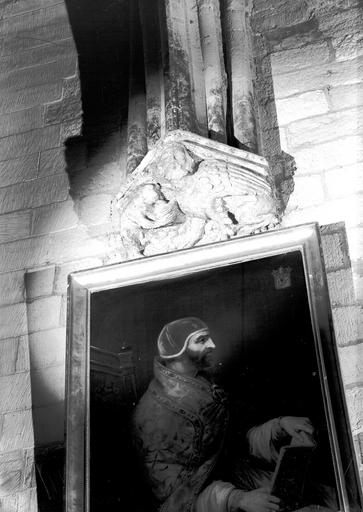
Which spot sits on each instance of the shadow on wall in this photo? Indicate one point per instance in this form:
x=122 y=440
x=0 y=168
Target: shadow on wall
x=100 y=31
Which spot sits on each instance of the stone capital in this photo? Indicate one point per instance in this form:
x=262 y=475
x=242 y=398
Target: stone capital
x=190 y=190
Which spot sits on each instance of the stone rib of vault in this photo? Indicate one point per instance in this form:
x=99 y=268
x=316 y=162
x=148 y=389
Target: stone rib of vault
x=190 y=190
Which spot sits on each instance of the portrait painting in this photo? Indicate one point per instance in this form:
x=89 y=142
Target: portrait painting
x=208 y=380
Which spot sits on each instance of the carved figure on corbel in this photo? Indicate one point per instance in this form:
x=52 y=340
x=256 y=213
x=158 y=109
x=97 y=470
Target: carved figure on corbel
x=189 y=191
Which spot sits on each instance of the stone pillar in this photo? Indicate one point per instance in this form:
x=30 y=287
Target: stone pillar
x=214 y=72
x=136 y=122
x=154 y=74
x=185 y=94
x=240 y=69
x=185 y=50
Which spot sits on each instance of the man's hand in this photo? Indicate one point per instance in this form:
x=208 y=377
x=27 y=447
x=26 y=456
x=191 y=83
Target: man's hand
x=300 y=429
x=259 y=500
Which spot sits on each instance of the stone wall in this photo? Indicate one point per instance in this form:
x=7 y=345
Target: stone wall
x=60 y=167
x=315 y=52
x=54 y=207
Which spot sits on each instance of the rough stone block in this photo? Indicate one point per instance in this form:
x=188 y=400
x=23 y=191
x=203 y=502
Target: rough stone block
x=39 y=282
x=13 y=100
x=33 y=18
x=21 y=121
x=72 y=87
x=57 y=248
x=12 y=287
x=29 y=142
x=345 y=181
x=29 y=37
x=307 y=192
x=62 y=272
x=11 y=460
x=51 y=162
x=44 y=313
x=49 y=423
x=29 y=468
x=16 y=430
x=314 y=54
x=18 y=169
x=345 y=96
x=282 y=14
x=68 y=108
x=299 y=107
x=294 y=39
x=47 y=348
x=358 y=445
x=325 y=127
x=271 y=140
x=347 y=324
x=43 y=54
x=351 y=363
x=55 y=217
x=38 y=75
x=355 y=408
x=14 y=355
x=329 y=155
x=71 y=128
x=27 y=501
x=10 y=482
x=35 y=193
x=48 y=385
x=341 y=289
x=341 y=21
x=16 y=471
x=316 y=78
x=348 y=46
x=335 y=252
x=23 y=6
x=75 y=244
x=9 y=503
x=13 y=320
x=14 y=226
x=20 y=254
x=15 y=392
x=319 y=6
x=24 y=501
x=329 y=212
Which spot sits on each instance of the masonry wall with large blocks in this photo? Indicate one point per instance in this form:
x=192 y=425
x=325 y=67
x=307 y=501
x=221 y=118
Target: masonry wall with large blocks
x=63 y=91
x=314 y=50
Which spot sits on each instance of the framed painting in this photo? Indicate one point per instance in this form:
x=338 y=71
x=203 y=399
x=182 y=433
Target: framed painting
x=190 y=373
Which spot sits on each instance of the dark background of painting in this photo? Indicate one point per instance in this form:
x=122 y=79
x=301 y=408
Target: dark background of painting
x=265 y=358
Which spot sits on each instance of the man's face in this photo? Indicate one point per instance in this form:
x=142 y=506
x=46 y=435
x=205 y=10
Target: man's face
x=200 y=348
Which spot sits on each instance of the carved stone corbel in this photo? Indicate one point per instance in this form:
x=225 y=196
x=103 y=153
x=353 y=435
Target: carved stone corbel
x=190 y=190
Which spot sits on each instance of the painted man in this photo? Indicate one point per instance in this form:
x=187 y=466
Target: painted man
x=180 y=427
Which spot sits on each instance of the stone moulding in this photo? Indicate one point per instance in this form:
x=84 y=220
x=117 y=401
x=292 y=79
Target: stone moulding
x=190 y=190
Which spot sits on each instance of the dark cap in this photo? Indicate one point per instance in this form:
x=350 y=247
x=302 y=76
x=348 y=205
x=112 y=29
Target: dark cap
x=174 y=336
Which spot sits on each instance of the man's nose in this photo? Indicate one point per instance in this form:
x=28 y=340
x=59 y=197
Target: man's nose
x=210 y=343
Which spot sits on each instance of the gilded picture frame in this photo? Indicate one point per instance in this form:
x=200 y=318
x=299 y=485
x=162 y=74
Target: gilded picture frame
x=94 y=292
